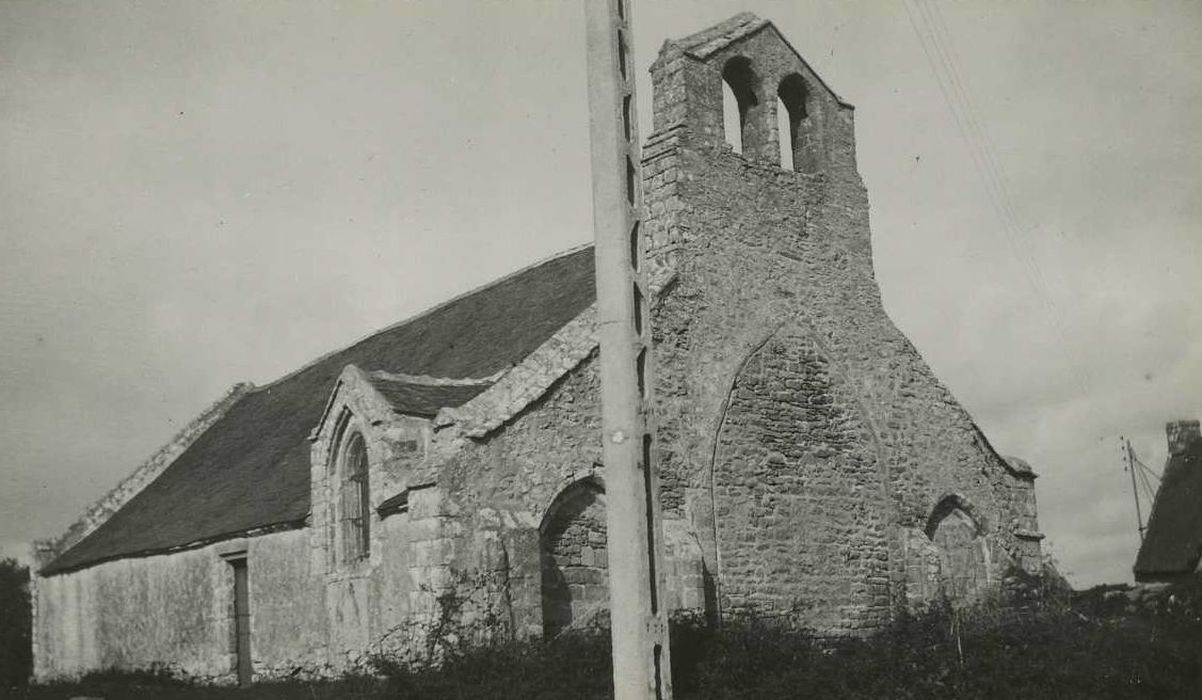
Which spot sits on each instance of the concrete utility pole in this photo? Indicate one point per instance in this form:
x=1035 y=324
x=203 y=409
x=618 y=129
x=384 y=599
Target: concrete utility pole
x=639 y=622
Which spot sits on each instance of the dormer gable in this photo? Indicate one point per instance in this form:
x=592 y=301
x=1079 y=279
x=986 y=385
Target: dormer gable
x=364 y=452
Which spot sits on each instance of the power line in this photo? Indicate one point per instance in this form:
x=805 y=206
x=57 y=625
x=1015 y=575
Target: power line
x=1147 y=484
x=942 y=58
x=1144 y=467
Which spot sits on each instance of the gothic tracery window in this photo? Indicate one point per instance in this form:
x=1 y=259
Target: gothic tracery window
x=354 y=511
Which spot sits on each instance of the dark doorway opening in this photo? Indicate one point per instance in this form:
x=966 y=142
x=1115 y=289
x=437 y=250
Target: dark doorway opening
x=242 y=621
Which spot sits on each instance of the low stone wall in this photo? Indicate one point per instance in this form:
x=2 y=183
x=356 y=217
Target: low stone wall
x=175 y=611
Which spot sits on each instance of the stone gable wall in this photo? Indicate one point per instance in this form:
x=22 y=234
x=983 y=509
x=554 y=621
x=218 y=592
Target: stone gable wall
x=754 y=252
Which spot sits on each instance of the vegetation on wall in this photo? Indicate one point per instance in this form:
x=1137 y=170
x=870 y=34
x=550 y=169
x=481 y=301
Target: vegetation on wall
x=1110 y=641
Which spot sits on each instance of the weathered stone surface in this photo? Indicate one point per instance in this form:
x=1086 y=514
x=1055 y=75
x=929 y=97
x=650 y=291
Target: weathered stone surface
x=811 y=465
x=175 y=611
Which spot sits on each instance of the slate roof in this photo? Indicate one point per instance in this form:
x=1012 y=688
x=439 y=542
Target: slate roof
x=1173 y=540
x=422 y=399
x=250 y=470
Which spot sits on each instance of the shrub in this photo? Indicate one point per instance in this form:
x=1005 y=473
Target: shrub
x=1039 y=645
x=573 y=665
x=16 y=662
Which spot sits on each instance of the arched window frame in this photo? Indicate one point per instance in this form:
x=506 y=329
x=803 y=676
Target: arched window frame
x=945 y=507
x=351 y=526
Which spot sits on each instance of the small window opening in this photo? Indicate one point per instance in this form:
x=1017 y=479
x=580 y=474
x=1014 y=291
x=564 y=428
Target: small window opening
x=641 y=371
x=636 y=253
x=626 y=116
x=738 y=102
x=630 y=173
x=638 y=310
x=793 y=124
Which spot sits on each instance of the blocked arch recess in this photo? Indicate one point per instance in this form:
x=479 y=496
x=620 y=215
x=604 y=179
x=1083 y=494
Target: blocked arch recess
x=573 y=560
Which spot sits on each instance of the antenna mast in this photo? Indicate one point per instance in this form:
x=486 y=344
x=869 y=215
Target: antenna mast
x=1129 y=461
x=638 y=620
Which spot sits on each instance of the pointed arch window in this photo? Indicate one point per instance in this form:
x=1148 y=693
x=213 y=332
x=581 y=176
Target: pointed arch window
x=354 y=521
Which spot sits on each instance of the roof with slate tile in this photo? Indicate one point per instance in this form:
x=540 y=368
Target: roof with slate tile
x=1172 y=543
x=250 y=470
x=422 y=398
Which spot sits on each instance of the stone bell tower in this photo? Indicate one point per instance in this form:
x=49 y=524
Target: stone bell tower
x=812 y=452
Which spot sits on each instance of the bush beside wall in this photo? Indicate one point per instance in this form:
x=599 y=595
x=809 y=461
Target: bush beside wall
x=16 y=661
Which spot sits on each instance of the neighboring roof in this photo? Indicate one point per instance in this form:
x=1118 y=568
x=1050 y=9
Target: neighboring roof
x=1173 y=539
x=250 y=470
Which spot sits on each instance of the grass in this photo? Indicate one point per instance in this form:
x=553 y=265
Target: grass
x=1095 y=644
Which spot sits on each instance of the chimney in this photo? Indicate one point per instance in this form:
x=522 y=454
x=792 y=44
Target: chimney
x=1181 y=434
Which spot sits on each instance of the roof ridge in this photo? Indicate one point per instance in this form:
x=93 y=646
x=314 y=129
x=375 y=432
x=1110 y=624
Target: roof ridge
x=423 y=314
x=97 y=513
x=712 y=32
x=703 y=44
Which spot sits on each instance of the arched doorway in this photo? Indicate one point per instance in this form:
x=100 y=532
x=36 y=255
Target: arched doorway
x=574 y=559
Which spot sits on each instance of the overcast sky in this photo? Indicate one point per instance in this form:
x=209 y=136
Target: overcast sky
x=196 y=194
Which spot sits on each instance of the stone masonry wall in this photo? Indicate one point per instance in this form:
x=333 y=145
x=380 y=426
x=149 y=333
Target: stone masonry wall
x=803 y=440
x=800 y=517
x=501 y=489
x=747 y=249
x=575 y=588
x=175 y=612
x=383 y=600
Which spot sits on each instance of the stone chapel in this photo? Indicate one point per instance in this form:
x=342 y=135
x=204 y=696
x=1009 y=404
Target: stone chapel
x=811 y=465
